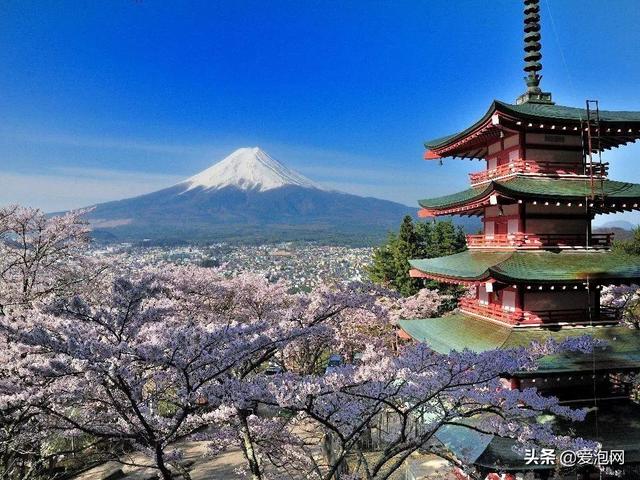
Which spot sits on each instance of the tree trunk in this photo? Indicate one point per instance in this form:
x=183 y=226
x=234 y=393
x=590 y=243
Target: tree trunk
x=247 y=446
x=164 y=470
x=329 y=452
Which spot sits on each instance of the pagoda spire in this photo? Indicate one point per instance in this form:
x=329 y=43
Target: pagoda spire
x=532 y=55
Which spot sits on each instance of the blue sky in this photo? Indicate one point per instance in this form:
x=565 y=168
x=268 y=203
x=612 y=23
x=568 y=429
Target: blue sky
x=107 y=99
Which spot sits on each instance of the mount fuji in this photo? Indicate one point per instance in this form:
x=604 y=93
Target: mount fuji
x=251 y=197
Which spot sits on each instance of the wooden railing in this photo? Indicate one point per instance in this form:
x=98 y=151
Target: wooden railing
x=539 y=240
x=504 y=170
x=536 y=317
x=514 y=240
x=539 y=167
x=491 y=310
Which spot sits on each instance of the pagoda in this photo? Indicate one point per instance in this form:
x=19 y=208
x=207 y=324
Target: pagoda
x=537 y=269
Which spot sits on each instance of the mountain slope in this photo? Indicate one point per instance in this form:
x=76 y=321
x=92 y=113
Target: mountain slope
x=248 y=197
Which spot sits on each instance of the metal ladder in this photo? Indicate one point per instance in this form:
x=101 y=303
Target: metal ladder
x=593 y=144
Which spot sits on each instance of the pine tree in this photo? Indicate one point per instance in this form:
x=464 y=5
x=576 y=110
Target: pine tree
x=390 y=265
x=444 y=238
x=408 y=246
x=631 y=246
x=382 y=269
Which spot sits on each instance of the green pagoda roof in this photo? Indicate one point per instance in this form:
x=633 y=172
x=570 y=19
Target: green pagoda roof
x=541 y=111
x=617 y=428
x=467 y=265
x=541 y=266
x=540 y=114
x=460 y=331
x=522 y=187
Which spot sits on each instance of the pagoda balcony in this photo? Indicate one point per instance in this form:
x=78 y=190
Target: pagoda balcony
x=534 y=241
x=516 y=316
x=530 y=167
x=491 y=311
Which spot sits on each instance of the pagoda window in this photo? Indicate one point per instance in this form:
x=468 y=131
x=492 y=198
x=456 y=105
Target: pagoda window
x=509 y=300
x=502 y=219
x=534 y=139
x=513 y=225
x=494 y=148
x=483 y=295
x=511 y=141
x=511 y=151
x=510 y=155
x=489 y=228
x=500 y=227
x=561 y=157
x=497 y=154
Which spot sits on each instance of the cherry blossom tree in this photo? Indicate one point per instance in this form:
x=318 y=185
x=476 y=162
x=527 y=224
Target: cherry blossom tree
x=176 y=354
x=153 y=358
x=401 y=400
x=140 y=360
x=40 y=257
x=424 y=304
x=625 y=297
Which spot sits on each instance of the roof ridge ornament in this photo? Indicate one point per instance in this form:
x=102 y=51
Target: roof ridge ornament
x=532 y=55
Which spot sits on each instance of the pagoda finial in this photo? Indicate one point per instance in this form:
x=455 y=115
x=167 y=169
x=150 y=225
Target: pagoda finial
x=532 y=55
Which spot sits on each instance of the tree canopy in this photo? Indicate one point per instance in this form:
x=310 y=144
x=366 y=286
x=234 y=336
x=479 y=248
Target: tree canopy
x=390 y=263
x=630 y=246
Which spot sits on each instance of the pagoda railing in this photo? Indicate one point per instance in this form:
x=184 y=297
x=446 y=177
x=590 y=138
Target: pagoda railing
x=539 y=167
x=516 y=316
x=491 y=310
x=540 y=240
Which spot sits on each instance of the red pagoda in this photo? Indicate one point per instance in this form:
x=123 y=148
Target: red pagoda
x=537 y=269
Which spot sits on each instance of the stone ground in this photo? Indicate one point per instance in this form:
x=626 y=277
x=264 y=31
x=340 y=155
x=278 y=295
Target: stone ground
x=202 y=467
x=422 y=467
x=429 y=467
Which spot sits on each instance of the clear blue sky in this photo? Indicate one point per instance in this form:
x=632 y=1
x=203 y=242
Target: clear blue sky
x=105 y=99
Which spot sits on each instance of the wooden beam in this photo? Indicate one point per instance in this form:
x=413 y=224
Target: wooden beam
x=424 y=213
x=431 y=155
x=415 y=273
x=545 y=146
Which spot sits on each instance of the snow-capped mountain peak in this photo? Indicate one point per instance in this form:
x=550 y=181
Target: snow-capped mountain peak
x=248 y=169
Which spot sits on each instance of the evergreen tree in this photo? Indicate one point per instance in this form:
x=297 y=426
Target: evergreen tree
x=408 y=245
x=441 y=238
x=631 y=246
x=382 y=269
x=390 y=266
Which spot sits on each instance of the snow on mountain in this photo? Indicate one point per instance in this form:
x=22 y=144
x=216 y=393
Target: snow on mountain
x=249 y=169
x=248 y=197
